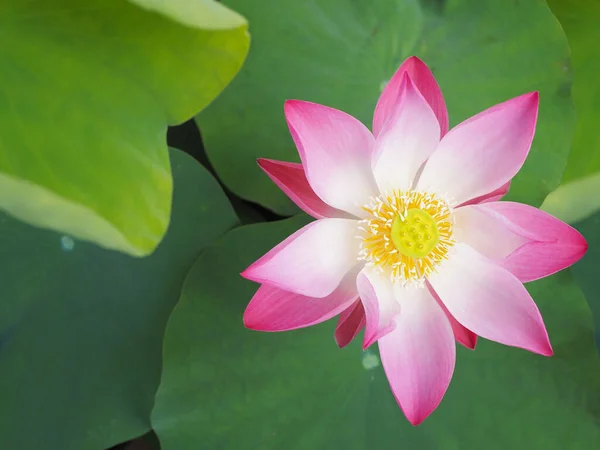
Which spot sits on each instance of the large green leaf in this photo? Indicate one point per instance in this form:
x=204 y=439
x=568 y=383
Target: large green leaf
x=225 y=387
x=207 y=14
x=578 y=197
x=580 y=19
x=81 y=327
x=587 y=270
x=575 y=200
x=341 y=52
x=87 y=91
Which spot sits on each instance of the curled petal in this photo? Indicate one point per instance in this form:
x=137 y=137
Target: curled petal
x=380 y=302
x=418 y=356
x=484 y=152
x=425 y=82
x=336 y=150
x=554 y=244
x=312 y=261
x=489 y=300
x=351 y=321
x=273 y=309
x=290 y=178
x=462 y=335
x=493 y=196
x=407 y=139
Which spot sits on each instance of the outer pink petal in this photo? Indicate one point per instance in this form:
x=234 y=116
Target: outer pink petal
x=351 y=321
x=486 y=232
x=425 y=82
x=462 y=335
x=418 y=356
x=556 y=245
x=272 y=309
x=380 y=301
x=312 y=261
x=484 y=152
x=290 y=178
x=490 y=301
x=335 y=149
x=493 y=196
x=407 y=139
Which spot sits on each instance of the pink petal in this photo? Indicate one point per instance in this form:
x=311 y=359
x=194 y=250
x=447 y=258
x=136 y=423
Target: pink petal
x=335 y=149
x=272 y=309
x=425 y=82
x=312 y=261
x=490 y=301
x=486 y=232
x=418 y=355
x=490 y=197
x=380 y=301
x=484 y=152
x=407 y=139
x=352 y=320
x=290 y=178
x=555 y=244
x=462 y=335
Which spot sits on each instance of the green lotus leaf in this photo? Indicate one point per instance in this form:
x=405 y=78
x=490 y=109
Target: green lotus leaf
x=81 y=327
x=206 y=14
x=87 y=91
x=586 y=271
x=342 y=52
x=578 y=197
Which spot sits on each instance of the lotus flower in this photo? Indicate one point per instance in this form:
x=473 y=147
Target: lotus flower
x=411 y=241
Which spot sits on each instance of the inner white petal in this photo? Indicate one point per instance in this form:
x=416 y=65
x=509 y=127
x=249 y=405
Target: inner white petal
x=486 y=234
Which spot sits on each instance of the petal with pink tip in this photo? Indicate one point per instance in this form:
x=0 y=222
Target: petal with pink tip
x=408 y=138
x=418 y=356
x=426 y=84
x=486 y=232
x=489 y=300
x=290 y=178
x=493 y=196
x=380 y=301
x=484 y=152
x=462 y=335
x=312 y=261
x=351 y=321
x=336 y=150
x=555 y=245
x=273 y=309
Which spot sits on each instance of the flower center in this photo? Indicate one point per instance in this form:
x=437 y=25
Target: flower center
x=415 y=234
x=406 y=234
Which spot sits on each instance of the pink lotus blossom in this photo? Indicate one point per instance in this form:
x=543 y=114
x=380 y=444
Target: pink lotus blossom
x=411 y=242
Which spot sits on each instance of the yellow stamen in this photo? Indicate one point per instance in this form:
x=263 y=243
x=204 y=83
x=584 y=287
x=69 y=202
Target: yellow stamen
x=407 y=234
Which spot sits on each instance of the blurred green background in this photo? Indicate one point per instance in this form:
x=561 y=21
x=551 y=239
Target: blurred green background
x=99 y=346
